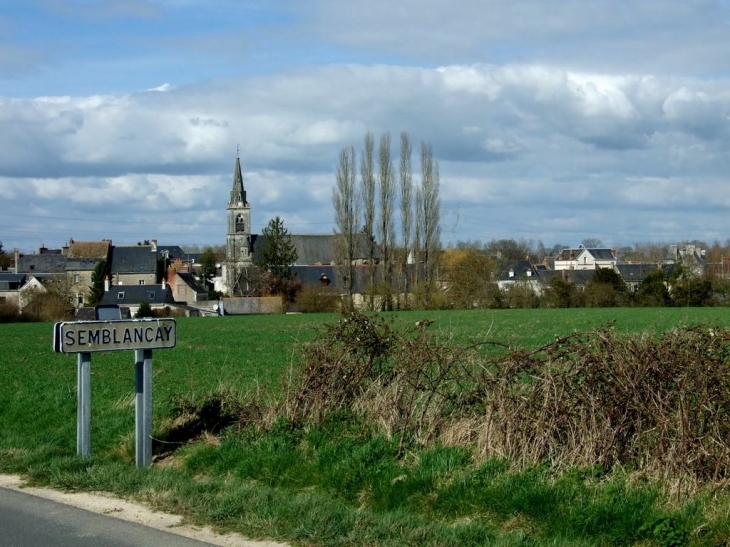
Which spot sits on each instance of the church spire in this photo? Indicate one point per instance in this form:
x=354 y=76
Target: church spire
x=238 y=194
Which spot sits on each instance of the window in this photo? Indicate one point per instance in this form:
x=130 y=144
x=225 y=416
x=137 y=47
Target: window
x=120 y=295
x=141 y=281
x=79 y=299
x=77 y=278
x=152 y=295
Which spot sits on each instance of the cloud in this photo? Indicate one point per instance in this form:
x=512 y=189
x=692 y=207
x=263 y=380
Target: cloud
x=552 y=121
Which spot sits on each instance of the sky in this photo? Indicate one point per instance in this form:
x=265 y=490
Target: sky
x=551 y=121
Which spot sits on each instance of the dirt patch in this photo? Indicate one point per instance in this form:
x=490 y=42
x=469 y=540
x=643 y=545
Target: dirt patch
x=133 y=512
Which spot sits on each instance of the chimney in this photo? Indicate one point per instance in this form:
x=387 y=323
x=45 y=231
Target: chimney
x=164 y=284
x=154 y=245
x=106 y=284
x=17 y=259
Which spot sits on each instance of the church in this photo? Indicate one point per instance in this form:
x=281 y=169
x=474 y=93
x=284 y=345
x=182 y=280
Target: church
x=315 y=252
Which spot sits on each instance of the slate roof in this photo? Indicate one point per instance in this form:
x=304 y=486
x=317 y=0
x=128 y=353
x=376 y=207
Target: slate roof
x=41 y=264
x=578 y=277
x=130 y=295
x=11 y=281
x=520 y=269
x=81 y=265
x=314 y=248
x=89 y=249
x=312 y=275
x=598 y=253
x=635 y=272
x=133 y=259
x=173 y=251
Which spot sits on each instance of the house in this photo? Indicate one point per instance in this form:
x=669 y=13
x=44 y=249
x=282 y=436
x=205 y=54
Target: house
x=583 y=258
x=70 y=267
x=131 y=296
x=691 y=257
x=10 y=284
x=579 y=278
x=510 y=272
x=634 y=274
x=184 y=286
x=134 y=265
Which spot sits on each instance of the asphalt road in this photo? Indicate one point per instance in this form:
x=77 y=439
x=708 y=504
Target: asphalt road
x=30 y=521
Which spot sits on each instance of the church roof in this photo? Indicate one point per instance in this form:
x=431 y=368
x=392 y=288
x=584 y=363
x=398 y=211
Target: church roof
x=238 y=194
x=315 y=248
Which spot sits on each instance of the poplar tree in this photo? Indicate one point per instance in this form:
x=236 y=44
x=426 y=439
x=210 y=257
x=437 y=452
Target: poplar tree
x=406 y=206
x=430 y=211
x=367 y=191
x=386 y=229
x=347 y=218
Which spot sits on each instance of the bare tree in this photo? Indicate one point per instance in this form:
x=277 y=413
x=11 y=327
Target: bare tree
x=431 y=213
x=347 y=217
x=386 y=228
x=367 y=179
x=406 y=207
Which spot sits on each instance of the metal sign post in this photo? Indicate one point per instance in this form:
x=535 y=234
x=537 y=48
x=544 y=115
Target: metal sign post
x=142 y=336
x=143 y=407
x=83 y=404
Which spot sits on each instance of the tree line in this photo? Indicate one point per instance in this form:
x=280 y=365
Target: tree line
x=368 y=198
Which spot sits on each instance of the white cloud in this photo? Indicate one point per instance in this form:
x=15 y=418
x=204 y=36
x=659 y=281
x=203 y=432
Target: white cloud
x=546 y=118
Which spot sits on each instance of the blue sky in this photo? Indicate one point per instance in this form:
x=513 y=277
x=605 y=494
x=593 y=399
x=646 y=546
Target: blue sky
x=553 y=121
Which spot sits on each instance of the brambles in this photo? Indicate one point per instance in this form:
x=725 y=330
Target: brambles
x=660 y=405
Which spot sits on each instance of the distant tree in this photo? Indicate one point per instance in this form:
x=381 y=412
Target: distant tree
x=144 y=310
x=386 y=226
x=653 y=290
x=98 y=277
x=469 y=279
x=367 y=192
x=5 y=260
x=208 y=267
x=510 y=249
x=145 y=242
x=562 y=293
x=606 y=289
x=430 y=214
x=54 y=302
x=406 y=209
x=592 y=243
x=347 y=219
x=278 y=253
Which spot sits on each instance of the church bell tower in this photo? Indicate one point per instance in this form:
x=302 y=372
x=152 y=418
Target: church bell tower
x=238 y=239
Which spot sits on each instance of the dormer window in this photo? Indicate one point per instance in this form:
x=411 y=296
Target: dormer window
x=511 y=273
x=152 y=295
x=120 y=295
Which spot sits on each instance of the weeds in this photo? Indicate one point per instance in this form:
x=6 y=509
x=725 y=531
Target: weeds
x=658 y=405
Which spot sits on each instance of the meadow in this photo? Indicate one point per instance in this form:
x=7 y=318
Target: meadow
x=332 y=483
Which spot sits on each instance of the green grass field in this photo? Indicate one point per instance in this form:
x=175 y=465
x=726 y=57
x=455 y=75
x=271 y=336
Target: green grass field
x=228 y=484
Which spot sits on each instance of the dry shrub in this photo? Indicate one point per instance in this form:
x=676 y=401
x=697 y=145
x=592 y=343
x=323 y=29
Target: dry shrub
x=8 y=311
x=660 y=405
x=318 y=299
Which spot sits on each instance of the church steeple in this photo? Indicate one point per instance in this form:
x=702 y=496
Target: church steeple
x=239 y=251
x=238 y=194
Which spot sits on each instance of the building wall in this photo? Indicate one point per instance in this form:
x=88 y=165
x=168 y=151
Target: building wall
x=134 y=278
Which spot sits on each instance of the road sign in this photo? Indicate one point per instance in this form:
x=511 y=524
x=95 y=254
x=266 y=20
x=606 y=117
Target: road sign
x=91 y=336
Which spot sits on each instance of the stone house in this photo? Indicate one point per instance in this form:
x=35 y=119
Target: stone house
x=583 y=258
